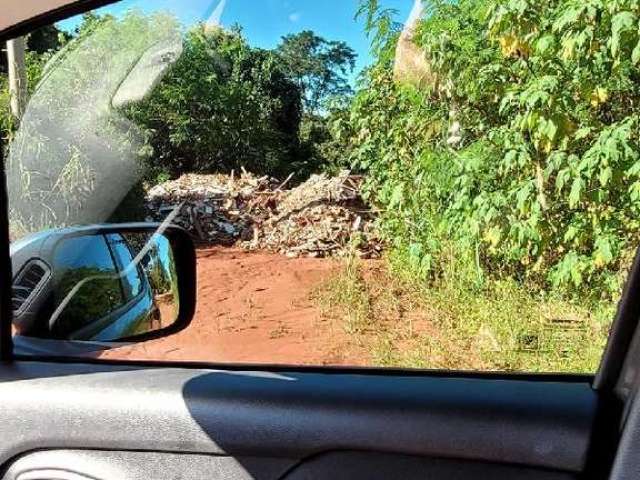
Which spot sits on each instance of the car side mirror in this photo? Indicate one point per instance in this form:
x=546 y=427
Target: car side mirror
x=106 y=283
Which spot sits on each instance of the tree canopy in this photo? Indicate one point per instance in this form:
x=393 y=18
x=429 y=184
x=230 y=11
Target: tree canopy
x=223 y=105
x=319 y=67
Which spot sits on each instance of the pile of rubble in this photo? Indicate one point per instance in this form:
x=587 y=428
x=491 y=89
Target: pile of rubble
x=324 y=216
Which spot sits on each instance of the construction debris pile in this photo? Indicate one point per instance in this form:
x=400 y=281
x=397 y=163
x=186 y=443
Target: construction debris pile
x=325 y=216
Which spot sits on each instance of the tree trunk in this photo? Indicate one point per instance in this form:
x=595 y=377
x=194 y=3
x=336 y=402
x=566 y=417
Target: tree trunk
x=17 y=76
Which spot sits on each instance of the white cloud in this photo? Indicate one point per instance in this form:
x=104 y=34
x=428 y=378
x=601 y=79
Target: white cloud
x=295 y=16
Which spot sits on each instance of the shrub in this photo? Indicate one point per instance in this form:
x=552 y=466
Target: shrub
x=523 y=150
x=223 y=106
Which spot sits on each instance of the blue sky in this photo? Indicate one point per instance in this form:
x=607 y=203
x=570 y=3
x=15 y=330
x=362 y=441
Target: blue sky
x=266 y=21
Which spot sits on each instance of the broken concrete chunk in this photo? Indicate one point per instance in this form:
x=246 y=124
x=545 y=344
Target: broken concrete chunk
x=314 y=219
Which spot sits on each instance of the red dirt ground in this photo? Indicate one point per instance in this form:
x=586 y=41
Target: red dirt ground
x=255 y=308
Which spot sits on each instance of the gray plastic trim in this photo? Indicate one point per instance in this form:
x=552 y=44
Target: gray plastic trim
x=101 y=465
x=296 y=415
x=364 y=466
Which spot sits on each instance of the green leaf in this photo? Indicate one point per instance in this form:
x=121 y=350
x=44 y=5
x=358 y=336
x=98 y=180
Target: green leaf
x=634 y=171
x=576 y=276
x=582 y=133
x=397 y=196
x=621 y=22
x=545 y=44
x=569 y=16
x=561 y=179
x=634 y=192
x=550 y=129
x=635 y=55
x=605 y=176
x=576 y=192
x=603 y=254
x=571 y=233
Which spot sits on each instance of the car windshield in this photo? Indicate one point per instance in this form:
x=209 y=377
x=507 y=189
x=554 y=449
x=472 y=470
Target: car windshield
x=405 y=183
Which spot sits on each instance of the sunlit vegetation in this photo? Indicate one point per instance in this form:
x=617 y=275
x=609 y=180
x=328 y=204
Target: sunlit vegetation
x=509 y=178
x=541 y=180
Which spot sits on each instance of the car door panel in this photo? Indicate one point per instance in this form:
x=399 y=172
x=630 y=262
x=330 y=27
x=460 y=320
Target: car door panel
x=541 y=425
x=104 y=465
x=362 y=465
x=122 y=465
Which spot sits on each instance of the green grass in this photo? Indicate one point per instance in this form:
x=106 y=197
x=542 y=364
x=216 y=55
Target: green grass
x=456 y=324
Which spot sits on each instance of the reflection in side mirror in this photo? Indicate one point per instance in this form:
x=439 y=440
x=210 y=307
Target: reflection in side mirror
x=101 y=284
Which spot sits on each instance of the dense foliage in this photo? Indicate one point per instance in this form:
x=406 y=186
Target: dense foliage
x=218 y=105
x=224 y=105
x=521 y=154
x=319 y=67
x=518 y=157
x=34 y=63
x=41 y=45
x=6 y=120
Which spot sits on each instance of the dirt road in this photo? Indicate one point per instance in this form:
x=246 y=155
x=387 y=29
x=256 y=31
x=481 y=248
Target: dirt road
x=255 y=308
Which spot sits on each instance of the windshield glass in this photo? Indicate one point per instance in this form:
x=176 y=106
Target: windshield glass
x=77 y=154
x=439 y=184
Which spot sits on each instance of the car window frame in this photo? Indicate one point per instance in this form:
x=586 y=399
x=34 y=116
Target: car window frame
x=121 y=268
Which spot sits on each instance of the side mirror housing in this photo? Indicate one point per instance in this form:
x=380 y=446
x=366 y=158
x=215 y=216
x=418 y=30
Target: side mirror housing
x=103 y=283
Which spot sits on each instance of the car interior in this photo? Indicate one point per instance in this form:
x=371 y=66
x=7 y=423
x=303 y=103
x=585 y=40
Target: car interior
x=67 y=418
